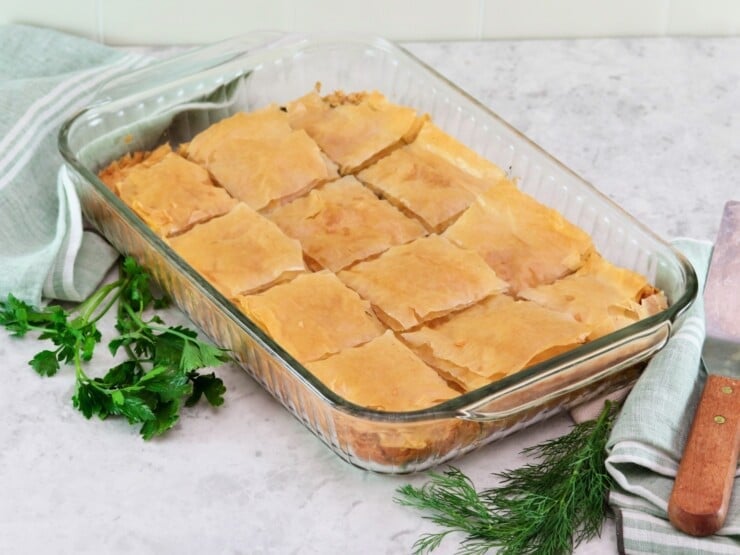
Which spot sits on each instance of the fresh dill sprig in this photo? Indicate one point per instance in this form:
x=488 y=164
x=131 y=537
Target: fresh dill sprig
x=546 y=507
x=160 y=373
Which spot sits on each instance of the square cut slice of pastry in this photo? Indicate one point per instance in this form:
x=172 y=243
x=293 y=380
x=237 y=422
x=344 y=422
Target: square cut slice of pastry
x=240 y=252
x=526 y=242
x=343 y=222
x=173 y=194
x=382 y=375
x=354 y=129
x=259 y=159
x=429 y=178
x=493 y=339
x=425 y=279
x=117 y=170
x=603 y=296
x=269 y=124
x=435 y=142
x=312 y=316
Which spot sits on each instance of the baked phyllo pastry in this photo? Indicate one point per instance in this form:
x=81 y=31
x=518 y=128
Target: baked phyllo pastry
x=354 y=129
x=493 y=339
x=172 y=194
x=343 y=222
x=432 y=140
x=382 y=375
x=603 y=296
x=425 y=279
x=312 y=316
x=240 y=252
x=259 y=158
x=117 y=170
x=434 y=178
x=269 y=123
x=526 y=242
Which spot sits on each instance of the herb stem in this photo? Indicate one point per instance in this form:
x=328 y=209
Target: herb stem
x=135 y=315
x=80 y=374
x=88 y=307
x=548 y=506
x=112 y=301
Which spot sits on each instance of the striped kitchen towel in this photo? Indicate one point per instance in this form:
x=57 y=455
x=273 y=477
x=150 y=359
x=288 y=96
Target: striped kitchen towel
x=44 y=77
x=648 y=438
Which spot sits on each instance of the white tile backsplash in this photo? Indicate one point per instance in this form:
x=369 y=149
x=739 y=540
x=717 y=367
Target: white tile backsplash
x=573 y=18
x=394 y=19
x=192 y=22
x=79 y=17
x=707 y=17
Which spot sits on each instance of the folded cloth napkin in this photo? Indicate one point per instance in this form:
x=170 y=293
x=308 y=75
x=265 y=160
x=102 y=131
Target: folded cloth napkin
x=648 y=438
x=44 y=77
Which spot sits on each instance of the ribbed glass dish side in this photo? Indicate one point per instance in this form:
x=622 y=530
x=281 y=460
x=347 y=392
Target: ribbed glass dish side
x=283 y=70
x=378 y=445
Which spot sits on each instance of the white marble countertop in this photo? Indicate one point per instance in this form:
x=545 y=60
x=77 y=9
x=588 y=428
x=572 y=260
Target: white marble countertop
x=653 y=123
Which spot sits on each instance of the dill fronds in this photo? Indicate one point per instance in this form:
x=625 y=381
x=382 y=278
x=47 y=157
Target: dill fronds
x=546 y=507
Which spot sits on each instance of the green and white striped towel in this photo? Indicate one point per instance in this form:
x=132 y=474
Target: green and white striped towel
x=649 y=436
x=44 y=77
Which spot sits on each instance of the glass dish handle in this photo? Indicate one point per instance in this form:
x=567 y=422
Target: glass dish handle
x=541 y=392
x=512 y=403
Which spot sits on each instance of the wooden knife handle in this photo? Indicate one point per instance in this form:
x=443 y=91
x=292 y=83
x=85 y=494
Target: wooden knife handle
x=701 y=493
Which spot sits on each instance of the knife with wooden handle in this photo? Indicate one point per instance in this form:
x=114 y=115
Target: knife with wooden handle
x=701 y=493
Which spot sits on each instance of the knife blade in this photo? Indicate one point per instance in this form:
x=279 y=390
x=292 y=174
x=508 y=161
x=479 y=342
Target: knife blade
x=701 y=493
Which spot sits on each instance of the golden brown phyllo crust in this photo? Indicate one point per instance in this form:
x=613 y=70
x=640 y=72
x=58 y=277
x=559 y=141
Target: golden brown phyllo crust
x=387 y=257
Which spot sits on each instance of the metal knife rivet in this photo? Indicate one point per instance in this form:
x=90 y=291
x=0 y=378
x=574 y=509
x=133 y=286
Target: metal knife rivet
x=726 y=389
x=719 y=419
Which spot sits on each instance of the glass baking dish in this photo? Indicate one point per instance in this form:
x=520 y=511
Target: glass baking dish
x=174 y=100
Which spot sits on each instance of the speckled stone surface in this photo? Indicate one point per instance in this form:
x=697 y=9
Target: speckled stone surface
x=653 y=123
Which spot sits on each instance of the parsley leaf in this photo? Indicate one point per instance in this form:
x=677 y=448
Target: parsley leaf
x=160 y=373
x=45 y=363
x=208 y=385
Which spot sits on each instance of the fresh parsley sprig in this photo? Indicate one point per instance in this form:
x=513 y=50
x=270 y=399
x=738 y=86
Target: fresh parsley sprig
x=547 y=507
x=161 y=371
